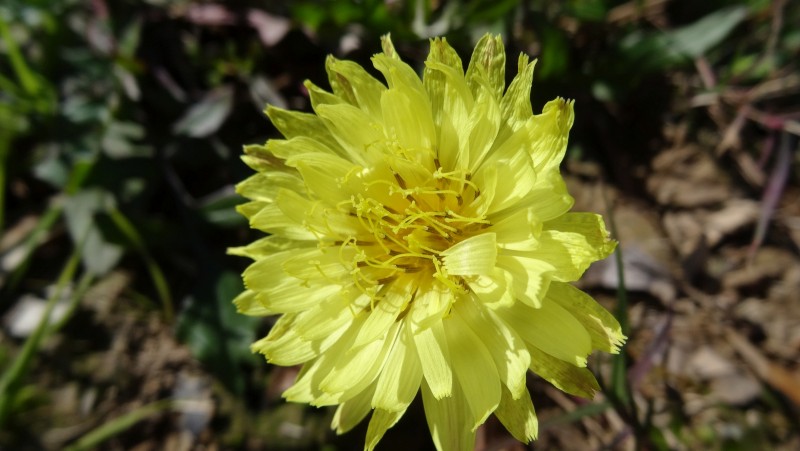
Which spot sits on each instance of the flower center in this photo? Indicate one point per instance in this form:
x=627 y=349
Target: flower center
x=407 y=225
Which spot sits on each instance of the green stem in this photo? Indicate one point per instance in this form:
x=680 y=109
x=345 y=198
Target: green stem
x=620 y=393
x=5 y=140
x=579 y=413
x=24 y=74
x=120 y=424
x=19 y=368
x=159 y=281
x=77 y=295
x=36 y=236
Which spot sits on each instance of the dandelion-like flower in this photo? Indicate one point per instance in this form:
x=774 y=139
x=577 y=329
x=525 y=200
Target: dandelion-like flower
x=420 y=241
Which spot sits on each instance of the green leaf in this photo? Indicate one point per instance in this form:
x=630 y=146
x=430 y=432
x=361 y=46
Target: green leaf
x=130 y=39
x=577 y=414
x=698 y=38
x=205 y=117
x=12 y=376
x=309 y=15
x=589 y=10
x=219 y=208
x=52 y=169
x=217 y=335
x=120 y=424
x=119 y=139
x=555 y=53
x=99 y=255
x=655 y=51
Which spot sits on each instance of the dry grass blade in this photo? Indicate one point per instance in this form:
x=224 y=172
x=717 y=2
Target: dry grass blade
x=776 y=376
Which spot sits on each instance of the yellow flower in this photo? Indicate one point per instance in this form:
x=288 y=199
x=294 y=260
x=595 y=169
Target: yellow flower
x=420 y=240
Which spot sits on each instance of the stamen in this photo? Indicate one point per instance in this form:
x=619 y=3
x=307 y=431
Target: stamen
x=400 y=180
x=458 y=218
x=410 y=237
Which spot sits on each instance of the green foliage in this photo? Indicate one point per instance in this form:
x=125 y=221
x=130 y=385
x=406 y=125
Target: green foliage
x=121 y=125
x=119 y=425
x=655 y=51
x=216 y=333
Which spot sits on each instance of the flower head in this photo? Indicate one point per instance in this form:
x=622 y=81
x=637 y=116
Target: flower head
x=420 y=240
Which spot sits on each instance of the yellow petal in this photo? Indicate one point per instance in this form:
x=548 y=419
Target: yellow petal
x=309 y=384
x=518 y=230
x=435 y=81
x=573 y=242
x=335 y=225
x=412 y=108
x=247 y=304
x=319 y=96
x=474 y=368
x=359 y=366
x=603 y=328
x=488 y=62
x=381 y=421
x=474 y=256
x=551 y=329
x=549 y=132
x=515 y=179
x=563 y=375
x=568 y=253
x=516 y=104
x=548 y=197
x=518 y=416
x=258 y=158
x=434 y=356
x=487 y=180
x=282 y=346
x=306 y=387
x=591 y=226
x=394 y=299
x=352 y=411
x=250 y=209
x=406 y=121
x=355 y=132
x=399 y=75
x=330 y=314
x=285 y=217
x=399 y=381
x=530 y=277
x=263 y=274
x=449 y=142
x=415 y=167
x=264 y=186
x=457 y=102
x=432 y=300
x=300 y=218
x=388 y=46
x=449 y=420
x=326 y=265
x=295 y=295
x=263 y=247
x=510 y=146
x=271 y=219
x=300 y=148
x=484 y=122
x=355 y=85
x=494 y=290
x=324 y=176
x=507 y=349
x=295 y=123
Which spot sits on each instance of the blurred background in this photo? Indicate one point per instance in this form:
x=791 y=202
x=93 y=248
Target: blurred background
x=121 y=126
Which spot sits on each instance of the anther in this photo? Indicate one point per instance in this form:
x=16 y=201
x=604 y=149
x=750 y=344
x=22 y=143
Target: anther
x=400 y=180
